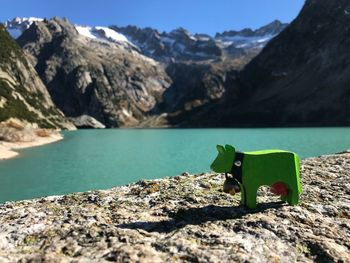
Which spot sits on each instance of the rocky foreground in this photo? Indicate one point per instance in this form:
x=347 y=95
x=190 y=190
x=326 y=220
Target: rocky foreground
x=185 y=219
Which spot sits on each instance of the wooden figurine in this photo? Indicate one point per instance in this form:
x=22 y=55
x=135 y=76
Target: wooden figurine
x=249 y=170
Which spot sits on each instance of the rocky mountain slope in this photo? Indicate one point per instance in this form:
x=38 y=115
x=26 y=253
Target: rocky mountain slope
x=194 y=84
x=301 y=78
x=185 y=219
x=22 y=94
x=85 y=75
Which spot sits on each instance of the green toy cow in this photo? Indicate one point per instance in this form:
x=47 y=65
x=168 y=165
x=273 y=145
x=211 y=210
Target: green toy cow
x=250 y=170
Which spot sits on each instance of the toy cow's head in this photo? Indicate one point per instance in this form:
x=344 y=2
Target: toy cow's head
x=223 y=162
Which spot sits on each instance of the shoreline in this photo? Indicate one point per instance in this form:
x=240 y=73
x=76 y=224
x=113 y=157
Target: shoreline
x=8 y=149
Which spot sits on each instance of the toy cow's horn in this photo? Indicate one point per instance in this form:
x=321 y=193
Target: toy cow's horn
x=229 y=148
x=220 y=148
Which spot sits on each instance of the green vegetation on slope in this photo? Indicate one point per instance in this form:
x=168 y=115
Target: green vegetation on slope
x=10 y=54
x=9 y=49
x=14 y=107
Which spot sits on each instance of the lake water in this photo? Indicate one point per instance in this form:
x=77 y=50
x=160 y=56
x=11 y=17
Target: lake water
x=100 y=159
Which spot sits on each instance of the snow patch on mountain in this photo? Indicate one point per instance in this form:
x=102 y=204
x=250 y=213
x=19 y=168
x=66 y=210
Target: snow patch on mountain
x=101 y=33
x=168 y=40
x=244 y=42
x=25 y=20
x=85 y=31
x=111 y=34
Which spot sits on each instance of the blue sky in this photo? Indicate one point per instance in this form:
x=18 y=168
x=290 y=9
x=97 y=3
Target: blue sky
x=198 y=16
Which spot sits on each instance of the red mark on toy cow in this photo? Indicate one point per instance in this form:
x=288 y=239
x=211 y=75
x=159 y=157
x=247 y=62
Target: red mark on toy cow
x=279 y=189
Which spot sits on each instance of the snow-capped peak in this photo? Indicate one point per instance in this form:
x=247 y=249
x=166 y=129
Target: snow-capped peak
x=17 y=25
x=26 y=20
x=23 y=22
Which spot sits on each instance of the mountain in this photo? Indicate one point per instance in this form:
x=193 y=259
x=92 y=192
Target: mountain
x=182 y=45
x=178 y=44
x=22 y=94
x=194 y=85
x=127 y=76
x=198 y=63
x=301 y=77
x=94 y=72
x=193 y=75
x=249 y=35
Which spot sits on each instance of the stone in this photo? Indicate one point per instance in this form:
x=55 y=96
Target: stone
x=86 y=121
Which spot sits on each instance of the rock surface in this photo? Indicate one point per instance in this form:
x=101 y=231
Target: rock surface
x=194 y=84
x=185 y=219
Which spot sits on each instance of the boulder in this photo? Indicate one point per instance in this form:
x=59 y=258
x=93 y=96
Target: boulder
x=86 y=121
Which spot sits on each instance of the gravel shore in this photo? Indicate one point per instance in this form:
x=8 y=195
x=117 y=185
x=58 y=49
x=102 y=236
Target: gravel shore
x=8 y=149
x=185 y=218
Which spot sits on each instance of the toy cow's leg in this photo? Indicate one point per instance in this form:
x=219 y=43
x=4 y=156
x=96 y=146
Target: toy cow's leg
x=294 y=198
x=243 y=195
x=293 y=195
x=250 y=196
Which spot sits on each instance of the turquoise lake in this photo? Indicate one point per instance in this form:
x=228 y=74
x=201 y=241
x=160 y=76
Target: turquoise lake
x=100 y=159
